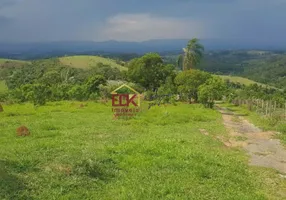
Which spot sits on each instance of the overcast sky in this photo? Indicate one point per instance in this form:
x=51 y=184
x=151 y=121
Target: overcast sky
x=138 y=20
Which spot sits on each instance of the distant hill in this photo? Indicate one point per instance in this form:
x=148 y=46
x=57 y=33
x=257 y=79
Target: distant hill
x=5 y=61
x=61 y=48
x=84 y=62
x=81 y=61
x=269 y=70
x=267 y=67
x=11 y=64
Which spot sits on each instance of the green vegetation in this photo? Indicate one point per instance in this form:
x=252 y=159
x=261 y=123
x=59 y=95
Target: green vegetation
x=3 y=87
x=238 y=92
x=188 y=83
x=55 y=81
x=149 y=71
x=270 y=70
x=213 y=89
x=3 y=61
x=81 y=153
x=263 y=67
x=192 y=55
x=86 y=62
x=50 y=80
x=241 y=80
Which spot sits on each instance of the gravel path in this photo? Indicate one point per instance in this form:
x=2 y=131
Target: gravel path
x=264 y=150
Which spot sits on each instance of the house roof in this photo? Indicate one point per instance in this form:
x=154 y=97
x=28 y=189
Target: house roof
x=122 y=86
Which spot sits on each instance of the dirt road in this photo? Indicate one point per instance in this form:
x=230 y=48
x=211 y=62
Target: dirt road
x=264 y=150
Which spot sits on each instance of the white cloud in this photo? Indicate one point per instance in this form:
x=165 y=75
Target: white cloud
x=139 y=27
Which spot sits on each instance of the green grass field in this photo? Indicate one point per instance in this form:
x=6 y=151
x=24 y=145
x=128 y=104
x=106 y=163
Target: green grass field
x=237 y=79
x=81 y=153
x=88 y=61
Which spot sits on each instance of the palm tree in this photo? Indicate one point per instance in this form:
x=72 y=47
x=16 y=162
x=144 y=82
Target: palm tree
x=192 y=55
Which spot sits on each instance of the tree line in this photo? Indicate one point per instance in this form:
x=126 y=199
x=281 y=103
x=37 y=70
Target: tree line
x=49 y=80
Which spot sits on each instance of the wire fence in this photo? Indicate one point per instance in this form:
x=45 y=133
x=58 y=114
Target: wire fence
x=268 y=108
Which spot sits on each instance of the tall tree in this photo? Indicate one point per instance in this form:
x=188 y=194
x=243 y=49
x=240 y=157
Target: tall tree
x=189 y=81
x=193 y=54
x=149 y=71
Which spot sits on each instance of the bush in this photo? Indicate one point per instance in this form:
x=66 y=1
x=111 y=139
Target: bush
x=36 y=93
x=78 y=92
x=275 y=119
x=40 y=94
x=94 y=96
x=60 y=92
x=93 y=83
x=212 y=90
x=3 y=97
x=51 y=78
x=188 y=83
x=282 y=128
x=149 y=95
x=167 y=92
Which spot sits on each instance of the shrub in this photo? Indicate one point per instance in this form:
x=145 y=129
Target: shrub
x=212 y=90
x=60 y=92
x=93 y=83
x=3 y=97
x=78 y=92
x=188 y=83
x=94 y=96
x=36 y=93
x=167 y=92
x=40 y=94
x=282 y=128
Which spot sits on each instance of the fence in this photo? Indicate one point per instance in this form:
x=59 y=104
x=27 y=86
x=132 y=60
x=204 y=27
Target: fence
x=267 y=108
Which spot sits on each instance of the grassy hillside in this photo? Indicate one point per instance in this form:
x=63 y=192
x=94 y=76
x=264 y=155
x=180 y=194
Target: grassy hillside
x=75 y=153
x=270 y=70
x=238 y=79
x=84 y=62
x=261 y=66
x=241 y=80
x=3 y=61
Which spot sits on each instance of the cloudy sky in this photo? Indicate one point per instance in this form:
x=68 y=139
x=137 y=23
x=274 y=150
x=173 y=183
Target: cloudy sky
x=138 y=20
